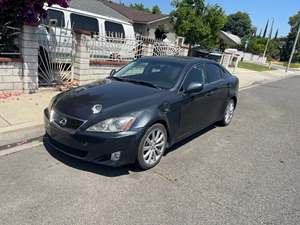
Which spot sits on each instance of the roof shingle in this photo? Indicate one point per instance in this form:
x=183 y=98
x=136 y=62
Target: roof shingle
x=97 y=7
x=136 y=16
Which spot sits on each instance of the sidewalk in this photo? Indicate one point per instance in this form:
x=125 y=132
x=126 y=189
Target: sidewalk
x=21 y=117
x=248 y=77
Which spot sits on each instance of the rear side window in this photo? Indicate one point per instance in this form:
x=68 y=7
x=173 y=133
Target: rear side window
x=84 y=23
x=114 y=29
x=196 y=75
x=54 y=16
x=213 y=73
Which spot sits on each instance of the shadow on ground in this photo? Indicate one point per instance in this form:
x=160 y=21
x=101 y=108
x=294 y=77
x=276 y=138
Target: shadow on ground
x=111 y=171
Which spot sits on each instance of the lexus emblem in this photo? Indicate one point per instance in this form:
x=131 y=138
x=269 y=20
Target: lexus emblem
x=97 y=109
x=62 y=122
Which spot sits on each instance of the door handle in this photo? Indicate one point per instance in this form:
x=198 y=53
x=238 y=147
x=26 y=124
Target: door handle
x=210 y=93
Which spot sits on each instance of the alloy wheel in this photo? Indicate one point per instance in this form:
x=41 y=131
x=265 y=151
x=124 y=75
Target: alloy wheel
x=229 y=112
x=154 y=146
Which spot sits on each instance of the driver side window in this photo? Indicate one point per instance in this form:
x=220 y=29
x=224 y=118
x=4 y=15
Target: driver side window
x=196 y=75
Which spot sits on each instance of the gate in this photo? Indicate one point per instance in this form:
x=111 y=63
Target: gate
x=56 y=55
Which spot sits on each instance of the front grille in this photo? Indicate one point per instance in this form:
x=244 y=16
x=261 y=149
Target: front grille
x=70 y=123
x=68 y=150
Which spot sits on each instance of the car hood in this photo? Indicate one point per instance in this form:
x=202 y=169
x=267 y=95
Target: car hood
x=111 y=94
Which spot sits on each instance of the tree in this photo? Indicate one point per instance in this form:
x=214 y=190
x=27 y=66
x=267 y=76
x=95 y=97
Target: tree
x=239 y=24
x=276 y=34
x=156 y=10
x=17 y=12
x=294 y=22
x=260 y=31
x=266 y=29
x=256 y=45
x=197 y=22
x=140 y=6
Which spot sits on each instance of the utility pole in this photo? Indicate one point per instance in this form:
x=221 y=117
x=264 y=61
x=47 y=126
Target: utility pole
x=293 y=50
x=269 y=38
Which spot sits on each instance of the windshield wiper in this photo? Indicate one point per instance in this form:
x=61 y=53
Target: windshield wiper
x=142 y=83
x=117 y=78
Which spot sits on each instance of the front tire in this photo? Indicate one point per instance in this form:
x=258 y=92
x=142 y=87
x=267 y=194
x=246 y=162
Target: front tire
x=152 y=146
x=228 y=113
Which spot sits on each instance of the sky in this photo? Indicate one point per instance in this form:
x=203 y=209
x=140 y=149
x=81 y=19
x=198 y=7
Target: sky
x=259 y=10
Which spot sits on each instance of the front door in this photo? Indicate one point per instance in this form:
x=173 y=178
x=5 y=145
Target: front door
x=217 y=90
x=193 y=109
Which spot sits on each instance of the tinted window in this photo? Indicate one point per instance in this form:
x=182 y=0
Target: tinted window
x=162 y=74
x=196 y=74
x=84 y=23
x=54 y=15
x=213 y=73
x=114 y=29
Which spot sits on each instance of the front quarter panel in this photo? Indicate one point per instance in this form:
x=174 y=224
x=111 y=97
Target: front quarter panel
x=167 y=113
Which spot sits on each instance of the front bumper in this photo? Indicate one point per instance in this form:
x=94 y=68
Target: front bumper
x=93 y=147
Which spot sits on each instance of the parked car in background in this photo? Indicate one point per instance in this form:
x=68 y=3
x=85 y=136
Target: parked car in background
x=96 y=24
x=111 y=39
x=141 y=110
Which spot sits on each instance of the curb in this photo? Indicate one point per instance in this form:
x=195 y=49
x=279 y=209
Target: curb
x=19 y=133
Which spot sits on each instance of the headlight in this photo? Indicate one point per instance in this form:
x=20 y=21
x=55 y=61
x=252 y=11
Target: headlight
x=113 y=125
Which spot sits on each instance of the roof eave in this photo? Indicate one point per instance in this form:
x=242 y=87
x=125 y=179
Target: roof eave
x=157 y=20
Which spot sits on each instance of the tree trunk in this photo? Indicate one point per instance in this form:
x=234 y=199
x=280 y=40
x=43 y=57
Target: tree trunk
x=190 y=50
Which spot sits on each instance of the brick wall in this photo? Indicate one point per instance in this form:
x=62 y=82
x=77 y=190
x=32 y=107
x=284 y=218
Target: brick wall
x=21 y=74
x=11 y=75
x=101 y=69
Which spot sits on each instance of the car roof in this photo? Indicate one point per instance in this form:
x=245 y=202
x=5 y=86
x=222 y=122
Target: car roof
x=184 y=60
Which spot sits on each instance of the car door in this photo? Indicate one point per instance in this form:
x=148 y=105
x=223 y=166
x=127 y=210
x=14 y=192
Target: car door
x=217 y=92
x=193 y=106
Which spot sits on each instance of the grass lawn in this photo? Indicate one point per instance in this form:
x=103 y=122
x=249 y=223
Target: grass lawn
x=293 y=65
x=252 y=66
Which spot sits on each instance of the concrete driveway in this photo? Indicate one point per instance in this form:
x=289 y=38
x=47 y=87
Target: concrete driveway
x=248 y=173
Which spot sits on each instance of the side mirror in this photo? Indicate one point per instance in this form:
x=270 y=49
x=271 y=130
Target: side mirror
x=112 y=72
x=194 y=87
x=53 y=22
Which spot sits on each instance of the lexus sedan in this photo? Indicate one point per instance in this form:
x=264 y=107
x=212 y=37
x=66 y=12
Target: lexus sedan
x=140 y=110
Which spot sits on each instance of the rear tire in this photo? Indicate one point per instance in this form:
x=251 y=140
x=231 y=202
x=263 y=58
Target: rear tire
x=152 y=147
x=228 y=113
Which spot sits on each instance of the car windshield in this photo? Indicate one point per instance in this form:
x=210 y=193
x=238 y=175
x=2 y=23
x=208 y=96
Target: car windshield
x=159 y=74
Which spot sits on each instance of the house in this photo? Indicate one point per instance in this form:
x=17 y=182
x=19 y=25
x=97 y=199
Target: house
x=230 y=39
x=97 y=7
x=144 y=23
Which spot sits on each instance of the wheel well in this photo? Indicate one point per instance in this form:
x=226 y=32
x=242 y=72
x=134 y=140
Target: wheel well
x=235 y=100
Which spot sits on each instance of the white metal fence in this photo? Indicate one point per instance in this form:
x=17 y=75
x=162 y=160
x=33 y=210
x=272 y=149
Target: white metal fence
x=56 y=54
x=115 y=47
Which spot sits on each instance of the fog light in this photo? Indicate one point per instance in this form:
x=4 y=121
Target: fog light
x=115 y=156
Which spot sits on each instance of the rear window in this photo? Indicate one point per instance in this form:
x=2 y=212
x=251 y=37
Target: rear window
x=114 y=29
x=84 y=23
x=54 y=16
x=213 y=73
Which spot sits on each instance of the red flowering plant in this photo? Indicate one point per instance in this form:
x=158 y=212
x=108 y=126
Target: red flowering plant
x=15 y=13
x=26 y=11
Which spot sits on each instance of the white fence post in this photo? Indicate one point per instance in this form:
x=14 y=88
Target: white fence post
x=82 y=56
x=29 y=50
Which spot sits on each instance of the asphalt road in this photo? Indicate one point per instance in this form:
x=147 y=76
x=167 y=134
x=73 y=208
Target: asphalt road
x=248 y=173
